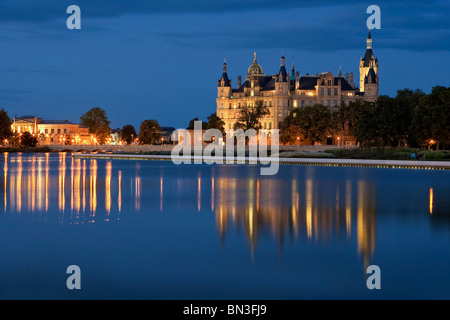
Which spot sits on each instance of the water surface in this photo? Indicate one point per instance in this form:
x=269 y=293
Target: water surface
x=154 y=230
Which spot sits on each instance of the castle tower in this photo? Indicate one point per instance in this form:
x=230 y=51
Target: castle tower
x=282 y=87
x=224 y=84
x=368 y=62
x=371 y=86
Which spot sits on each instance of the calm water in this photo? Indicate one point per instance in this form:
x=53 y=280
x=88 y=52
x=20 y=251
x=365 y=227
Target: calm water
x=155 y=230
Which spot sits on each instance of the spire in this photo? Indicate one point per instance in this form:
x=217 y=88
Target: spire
x=255 y=60
x=224 y=81
x=293 y=69
x=282 y=75
x=369 y=41
x=340 y=72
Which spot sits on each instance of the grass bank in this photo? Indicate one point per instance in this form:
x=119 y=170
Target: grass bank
x=390 y=154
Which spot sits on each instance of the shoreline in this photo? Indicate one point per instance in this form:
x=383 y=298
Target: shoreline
x=394 y=164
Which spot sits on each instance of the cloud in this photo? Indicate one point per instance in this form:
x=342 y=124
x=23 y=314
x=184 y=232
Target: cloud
x=308 y=25
x=314 y=29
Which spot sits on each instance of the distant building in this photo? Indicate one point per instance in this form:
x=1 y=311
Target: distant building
x=52 y=131
x=115 y=138
x=166 y=134
x=283 y=92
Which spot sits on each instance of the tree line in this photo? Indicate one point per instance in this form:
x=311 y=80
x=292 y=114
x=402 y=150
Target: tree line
x=411 y=118
x=98 y=123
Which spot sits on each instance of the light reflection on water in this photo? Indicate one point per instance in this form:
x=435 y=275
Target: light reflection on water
x=297 y=206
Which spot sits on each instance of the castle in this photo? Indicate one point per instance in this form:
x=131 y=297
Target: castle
x=283 y=92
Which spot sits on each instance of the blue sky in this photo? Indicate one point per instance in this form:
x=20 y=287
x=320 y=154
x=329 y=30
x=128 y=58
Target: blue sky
x=161 y=60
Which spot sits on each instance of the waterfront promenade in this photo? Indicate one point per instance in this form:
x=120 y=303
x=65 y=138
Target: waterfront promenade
x=404 y=164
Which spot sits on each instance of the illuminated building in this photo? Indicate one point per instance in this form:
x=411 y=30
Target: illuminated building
x=52 y=132
x=284 y=92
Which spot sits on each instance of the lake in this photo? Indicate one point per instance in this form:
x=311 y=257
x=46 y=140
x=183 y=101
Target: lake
x=155 y=230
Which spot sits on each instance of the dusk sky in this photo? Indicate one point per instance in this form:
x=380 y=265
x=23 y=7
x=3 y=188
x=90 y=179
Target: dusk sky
x=161 y=59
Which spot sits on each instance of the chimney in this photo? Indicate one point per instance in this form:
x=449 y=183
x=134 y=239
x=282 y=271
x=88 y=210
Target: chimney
x=297 y=80
x=239 y=81
x=351 y=80
x=346 y=77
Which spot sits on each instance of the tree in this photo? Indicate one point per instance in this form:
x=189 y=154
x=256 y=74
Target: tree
x=149 y=132
x=250 y=116
x=192 y=124
x=128 y=133
x=379 y=125
x=350 y=115
x=314 y=123
x=406 y=102
x=5 y=125
x=215 y=122
x=432 y=118
x=28 y=140
x=292 y=135
x=98 y=123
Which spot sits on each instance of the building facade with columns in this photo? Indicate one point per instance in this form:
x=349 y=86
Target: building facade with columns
x=283 y=92
x=52 y=131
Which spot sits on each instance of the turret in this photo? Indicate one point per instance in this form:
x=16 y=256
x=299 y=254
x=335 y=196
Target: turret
x=367 y=62
x=224 y=84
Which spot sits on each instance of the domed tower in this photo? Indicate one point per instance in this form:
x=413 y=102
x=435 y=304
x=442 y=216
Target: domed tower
x=255 y=69
x=368 y=62
x=224 y=84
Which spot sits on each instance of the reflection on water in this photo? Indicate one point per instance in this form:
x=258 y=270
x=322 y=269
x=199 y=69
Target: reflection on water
x=309 y=212
x=311 y=209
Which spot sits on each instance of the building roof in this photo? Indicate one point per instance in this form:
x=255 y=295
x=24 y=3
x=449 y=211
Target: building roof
x=371 y=77
x=255 y=69
x=56 y=122
x=283 y=73
x=310 y=82
x=266 y=83
x=368 y=57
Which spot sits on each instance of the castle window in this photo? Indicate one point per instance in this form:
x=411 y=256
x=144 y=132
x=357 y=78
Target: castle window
x=322 y=92
x=46 y=130
x=335 y=91
x=329 y=91
x=328 y=103
x=303 y=103
x=329 y=82
x=53 y=130
x=321 y=102
x=295 y=103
